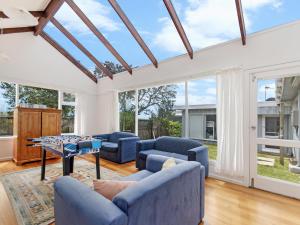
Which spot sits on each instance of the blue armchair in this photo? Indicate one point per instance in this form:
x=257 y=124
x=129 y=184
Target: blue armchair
x=169 y=197
x=119 y=147
x=179 y=148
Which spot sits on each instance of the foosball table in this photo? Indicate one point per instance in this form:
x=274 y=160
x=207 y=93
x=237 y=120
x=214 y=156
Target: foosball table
x=67 y=147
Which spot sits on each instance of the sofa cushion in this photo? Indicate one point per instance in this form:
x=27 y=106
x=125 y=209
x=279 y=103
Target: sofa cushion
x=109 y=146
x=144 y=154
x=114 y=137
x=138 y=176
x=176 y=144
x=110 y=188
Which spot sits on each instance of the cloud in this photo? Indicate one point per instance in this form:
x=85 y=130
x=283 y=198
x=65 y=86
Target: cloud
x=202 y=100
x=211 y=91
x=207 y=22
x=98 y=13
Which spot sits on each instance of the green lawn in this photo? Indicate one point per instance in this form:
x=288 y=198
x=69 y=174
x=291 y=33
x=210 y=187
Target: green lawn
x=278 y=171
x=212 y=151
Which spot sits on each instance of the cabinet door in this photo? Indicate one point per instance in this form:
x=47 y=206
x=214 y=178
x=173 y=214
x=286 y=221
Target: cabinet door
x=51 y=123
x=51 y=126
x=29 y=127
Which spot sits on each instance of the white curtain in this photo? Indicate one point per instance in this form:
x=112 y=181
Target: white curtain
x=230 y=123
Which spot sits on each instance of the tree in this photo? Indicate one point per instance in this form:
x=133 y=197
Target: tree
x=9 y=93
x=112 y=67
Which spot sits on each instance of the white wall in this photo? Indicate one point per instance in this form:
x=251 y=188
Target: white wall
x=32 y=61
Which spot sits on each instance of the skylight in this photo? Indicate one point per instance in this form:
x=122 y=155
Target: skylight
x=135 y=33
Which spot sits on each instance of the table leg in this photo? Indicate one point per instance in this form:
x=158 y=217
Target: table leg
x=43 y=168
x=66 y=166
x=97 y=155
x=71 y=164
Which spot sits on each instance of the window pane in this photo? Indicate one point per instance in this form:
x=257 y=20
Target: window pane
x=202 y=113
x=161 y=111
x=7 y=104
x=68 y=118
x=285 y=167
x=278 y=108
x=127 y=111
x=39 y=96
x=68 y=97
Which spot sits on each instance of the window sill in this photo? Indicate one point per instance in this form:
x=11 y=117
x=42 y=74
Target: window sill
x=4 y=138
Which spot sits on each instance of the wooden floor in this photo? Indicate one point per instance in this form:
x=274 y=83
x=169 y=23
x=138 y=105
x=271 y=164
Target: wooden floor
x=225 y=203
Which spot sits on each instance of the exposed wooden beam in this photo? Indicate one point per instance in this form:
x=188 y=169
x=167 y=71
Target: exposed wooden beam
x=179 y=27
x=68 y=56
x=38 y=13
x=81 y=47
x=16 y=30
x=34 y=13
x=239 y=10
x=133 y=31
x=3 y=16
x=50 y=11
x=99 y=35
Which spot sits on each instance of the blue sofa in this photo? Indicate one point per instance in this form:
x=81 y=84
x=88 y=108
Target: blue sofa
x=179 y=148
x=170 y=197
x=119 y=147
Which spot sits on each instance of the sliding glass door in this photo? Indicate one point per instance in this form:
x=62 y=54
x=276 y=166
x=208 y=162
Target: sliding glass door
x=275 y=133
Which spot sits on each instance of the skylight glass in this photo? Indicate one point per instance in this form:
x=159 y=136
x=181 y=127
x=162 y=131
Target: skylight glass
x=260 y=15
x=65 y=43
x=206 y=22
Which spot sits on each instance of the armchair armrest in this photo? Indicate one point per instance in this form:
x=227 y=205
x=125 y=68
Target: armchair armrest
x=127 y=148
x=145 y=145
x=199 y=154
x=154 y=163
x=77 y=204
x=103 y=137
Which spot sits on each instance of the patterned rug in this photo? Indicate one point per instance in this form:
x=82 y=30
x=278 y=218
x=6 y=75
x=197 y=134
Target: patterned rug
x=32 y=199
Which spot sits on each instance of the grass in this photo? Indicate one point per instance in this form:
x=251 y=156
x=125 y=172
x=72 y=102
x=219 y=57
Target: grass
x=212 y=151
x=278 y=171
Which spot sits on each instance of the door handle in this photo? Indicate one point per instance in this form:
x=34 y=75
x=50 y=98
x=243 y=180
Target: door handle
x=253 y=127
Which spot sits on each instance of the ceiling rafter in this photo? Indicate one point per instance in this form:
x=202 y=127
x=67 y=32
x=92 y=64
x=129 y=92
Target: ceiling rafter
x=98 y=34
x=60 y=27
x=68 y=56
x=34 y=13
x=133 y=31
x=239 y=10
x=179 y=27
x=16 y=30
x=3 y=15
x=49 y=12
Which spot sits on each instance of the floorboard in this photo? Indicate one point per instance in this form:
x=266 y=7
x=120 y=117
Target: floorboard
x=226 y=204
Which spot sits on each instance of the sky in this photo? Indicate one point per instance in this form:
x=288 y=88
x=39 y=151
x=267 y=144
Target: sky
x=266 y=89
x=206 y=22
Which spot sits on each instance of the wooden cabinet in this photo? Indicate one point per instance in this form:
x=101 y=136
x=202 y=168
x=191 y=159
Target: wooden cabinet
x=33 y=123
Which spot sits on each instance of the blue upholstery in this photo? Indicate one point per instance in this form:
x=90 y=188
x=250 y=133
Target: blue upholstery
x=170 y=197
x=179 y=148
x=119 y=147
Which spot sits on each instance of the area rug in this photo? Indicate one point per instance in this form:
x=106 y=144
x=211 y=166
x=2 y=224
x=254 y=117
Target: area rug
x=32 y=199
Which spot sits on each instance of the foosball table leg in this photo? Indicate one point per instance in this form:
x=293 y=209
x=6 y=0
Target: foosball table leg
x=72 y=164
x=43 y=168
x=66 y=166
x=97 y=155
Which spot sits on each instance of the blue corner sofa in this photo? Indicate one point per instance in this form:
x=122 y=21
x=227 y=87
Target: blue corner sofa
x=173 y=196
x=119 y=147
x=179 y=148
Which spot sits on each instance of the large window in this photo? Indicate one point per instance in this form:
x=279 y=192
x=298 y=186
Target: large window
x=34 y=97
x=127 y=111
x=160 y=111
x=7 y=104
x=202 y=113
x=68 y=113
x=38 y=96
